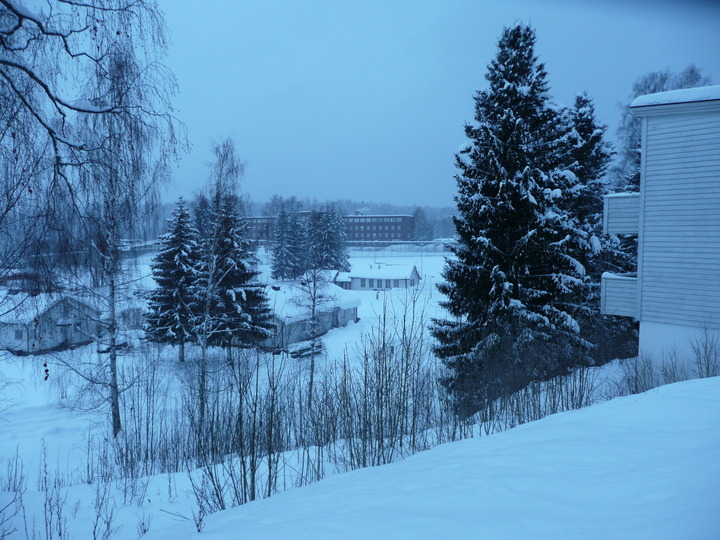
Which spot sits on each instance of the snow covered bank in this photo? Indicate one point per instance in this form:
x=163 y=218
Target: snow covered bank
x=643 y=466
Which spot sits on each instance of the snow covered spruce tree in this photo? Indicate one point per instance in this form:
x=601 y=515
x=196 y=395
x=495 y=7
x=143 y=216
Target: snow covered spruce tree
x=232 y=306
x=240 y=307
x=314 y=240
x=590 y=156
x=287 y=246
x=516 y=285
x=170 y=317
x=336 y=255
x=296 y=245
x=325 y=241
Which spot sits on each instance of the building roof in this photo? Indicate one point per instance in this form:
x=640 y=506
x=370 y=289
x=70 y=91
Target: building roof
x=687 y=95
x=290 y=303
x=24 y=308
x=383 y=271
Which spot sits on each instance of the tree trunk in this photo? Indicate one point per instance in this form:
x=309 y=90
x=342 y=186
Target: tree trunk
x=112 y=329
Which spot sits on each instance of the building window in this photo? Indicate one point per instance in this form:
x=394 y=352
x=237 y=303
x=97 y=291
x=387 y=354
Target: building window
x=362 y=283
x=387 y=283
x=372 y=283
x=18 y=334
x=396 y=283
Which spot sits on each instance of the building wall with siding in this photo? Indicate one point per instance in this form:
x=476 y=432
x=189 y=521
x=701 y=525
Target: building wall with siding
x=679 y=261
x=622 y=213
x=619 y=295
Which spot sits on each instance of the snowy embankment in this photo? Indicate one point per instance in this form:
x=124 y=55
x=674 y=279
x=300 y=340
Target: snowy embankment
x=643 y=466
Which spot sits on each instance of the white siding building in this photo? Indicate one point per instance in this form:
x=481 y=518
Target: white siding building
x=378 y=277
x=676 y=291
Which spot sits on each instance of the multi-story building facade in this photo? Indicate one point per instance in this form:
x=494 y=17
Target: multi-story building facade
x=358 y=228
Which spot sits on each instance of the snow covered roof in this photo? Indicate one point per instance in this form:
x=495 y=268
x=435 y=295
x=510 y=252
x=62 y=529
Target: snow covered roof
x=376 y=215
x=23 y=308
x=687 y=95
x=343 y=277
x=384 y=271
x=290 y=303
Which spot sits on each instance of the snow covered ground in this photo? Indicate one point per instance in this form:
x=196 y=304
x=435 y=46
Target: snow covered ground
x=638 y=467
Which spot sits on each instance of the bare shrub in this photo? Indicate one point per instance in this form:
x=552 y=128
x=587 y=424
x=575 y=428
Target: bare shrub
x=706 y=352
x=639 y=375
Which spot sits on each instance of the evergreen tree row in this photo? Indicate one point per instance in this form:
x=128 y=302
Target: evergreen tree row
x=207 y=290
x=522 y=289
x=319 y=243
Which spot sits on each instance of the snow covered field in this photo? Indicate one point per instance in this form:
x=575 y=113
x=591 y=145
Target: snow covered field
x=637 y=467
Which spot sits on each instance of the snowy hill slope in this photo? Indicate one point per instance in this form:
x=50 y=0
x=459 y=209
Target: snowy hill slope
x=643 y=466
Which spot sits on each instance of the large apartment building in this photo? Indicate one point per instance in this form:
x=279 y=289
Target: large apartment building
x=358 y=228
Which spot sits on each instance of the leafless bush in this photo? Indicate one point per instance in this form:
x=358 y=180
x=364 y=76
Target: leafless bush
x=54 y=503
x=143 y=526
x=13 y=481
x=639 y=375
x=673 y=369
x=706 y=352
x=105 y=512
x=8 y=513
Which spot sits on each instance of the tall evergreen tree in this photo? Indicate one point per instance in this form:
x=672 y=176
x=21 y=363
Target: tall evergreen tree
x=296 y=245
x=423 y=230
x=315 y=232
x=336 y=248
x=203 y=216
x=514 y=287
x=281 y=254
x=175 y=268
x=239 y=308
x=590 y=155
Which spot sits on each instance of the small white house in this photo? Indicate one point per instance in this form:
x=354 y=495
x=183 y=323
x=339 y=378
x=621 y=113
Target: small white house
x=45 y=322
x=675 y=293
x=379 y=276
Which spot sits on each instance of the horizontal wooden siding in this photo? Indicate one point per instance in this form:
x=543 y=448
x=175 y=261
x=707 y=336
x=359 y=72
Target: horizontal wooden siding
x=622 y=212
x=680 y=255
x=619 y=295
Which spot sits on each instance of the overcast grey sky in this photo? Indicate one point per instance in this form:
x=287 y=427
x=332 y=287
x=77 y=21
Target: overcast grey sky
x=367 y=99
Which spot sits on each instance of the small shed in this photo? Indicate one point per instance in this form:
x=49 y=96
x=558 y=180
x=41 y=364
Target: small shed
x=45 y=322
x=292 y=321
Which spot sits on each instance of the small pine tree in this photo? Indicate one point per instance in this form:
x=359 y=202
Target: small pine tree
x=171 y=305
